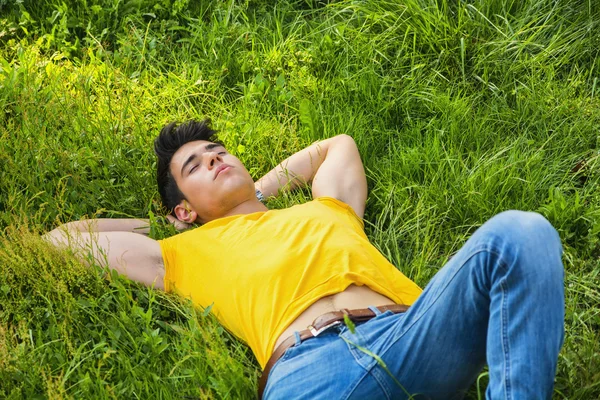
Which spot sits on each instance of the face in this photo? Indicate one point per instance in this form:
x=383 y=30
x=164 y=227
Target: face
x=212 y=181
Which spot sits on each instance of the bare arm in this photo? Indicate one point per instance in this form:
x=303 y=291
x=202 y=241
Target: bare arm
x=333 y=166
x=141 y=226
x=133 y=255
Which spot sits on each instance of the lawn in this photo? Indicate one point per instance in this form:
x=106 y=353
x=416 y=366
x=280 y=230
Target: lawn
x=460 y=110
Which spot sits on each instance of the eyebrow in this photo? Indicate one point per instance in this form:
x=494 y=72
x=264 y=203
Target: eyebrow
x=191 y=158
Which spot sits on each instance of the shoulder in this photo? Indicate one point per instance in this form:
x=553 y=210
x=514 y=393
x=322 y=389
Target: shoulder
x=331 y=205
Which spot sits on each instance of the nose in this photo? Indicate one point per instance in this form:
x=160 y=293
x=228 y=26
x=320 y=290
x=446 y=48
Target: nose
x=210 y=158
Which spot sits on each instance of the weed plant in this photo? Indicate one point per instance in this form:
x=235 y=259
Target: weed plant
x=460 y=110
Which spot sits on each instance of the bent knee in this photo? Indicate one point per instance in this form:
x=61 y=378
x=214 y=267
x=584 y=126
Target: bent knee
x=532 y=236
x=525 y=224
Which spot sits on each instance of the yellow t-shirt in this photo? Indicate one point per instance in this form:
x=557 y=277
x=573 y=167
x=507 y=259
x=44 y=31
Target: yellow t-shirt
x=262 y=270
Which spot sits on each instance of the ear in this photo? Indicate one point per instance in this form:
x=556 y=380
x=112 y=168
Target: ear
x=184 y=212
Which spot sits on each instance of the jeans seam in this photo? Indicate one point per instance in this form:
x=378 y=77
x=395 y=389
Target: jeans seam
x=357 y=354
x=352 y=389
x=382 y=383
x=505 y=344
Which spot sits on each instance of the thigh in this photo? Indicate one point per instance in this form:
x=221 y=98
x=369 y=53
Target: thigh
x=438 y=347
x=496 y=293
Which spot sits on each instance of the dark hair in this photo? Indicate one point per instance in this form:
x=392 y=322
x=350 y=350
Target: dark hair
x=171 y=137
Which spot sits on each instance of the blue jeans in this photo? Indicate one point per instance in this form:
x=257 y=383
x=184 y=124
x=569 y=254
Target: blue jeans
x=499 y=300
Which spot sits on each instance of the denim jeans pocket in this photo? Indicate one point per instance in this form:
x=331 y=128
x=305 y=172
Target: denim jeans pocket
x=288 y=353
x=310 y=344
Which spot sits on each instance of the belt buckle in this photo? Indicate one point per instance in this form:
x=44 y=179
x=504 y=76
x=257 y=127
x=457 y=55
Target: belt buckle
x=316 y=332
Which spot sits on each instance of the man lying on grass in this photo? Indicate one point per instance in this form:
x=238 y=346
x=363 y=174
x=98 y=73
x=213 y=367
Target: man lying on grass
x=288 y=281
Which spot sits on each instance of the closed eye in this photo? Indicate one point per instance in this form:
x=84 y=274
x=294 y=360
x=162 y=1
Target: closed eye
x=221 y=153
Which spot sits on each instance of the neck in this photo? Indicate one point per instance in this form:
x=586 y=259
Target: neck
x=247 y=207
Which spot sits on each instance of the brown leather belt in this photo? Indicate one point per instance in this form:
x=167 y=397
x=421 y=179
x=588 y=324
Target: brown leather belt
x=320 y=324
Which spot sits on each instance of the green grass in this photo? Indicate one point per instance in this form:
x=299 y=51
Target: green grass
x=460 y=110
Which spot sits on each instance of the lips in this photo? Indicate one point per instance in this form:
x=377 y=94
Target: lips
x=221 y=168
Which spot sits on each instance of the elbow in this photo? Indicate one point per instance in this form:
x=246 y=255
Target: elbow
x=345 y=140
x=344 y=137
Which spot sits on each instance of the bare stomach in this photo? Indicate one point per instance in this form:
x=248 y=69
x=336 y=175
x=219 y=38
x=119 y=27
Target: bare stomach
x=353 y=297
